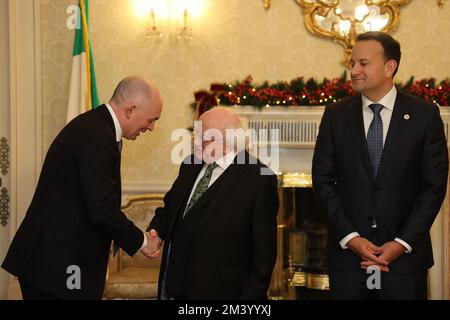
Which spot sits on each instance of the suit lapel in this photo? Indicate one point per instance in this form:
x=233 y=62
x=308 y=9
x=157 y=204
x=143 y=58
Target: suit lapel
x=395 y=132
x=227 y=181
x=102 y=112
x=120 y=179
x=222 y=186
x=356 y=124
x=184 y=188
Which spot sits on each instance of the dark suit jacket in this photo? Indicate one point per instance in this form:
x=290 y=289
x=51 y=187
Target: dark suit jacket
x=75 y=212
x=233 y=250
x=408 y=192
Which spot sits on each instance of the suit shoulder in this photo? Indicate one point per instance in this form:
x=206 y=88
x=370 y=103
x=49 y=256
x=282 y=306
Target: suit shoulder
x=88 y=129
x=95 y=123
x=190 y=160
x=256 y=167
x=342 y=104
x=416 y=102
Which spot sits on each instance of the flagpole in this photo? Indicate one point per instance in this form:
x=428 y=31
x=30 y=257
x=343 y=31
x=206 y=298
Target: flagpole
x=88 y=56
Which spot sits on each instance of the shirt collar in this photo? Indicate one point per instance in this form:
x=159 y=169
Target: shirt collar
x=116 y=123
x=387 y=101
x=226 y=160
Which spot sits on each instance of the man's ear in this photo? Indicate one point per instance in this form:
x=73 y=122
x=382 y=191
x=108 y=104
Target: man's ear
x=129 y=111
x=390 y=68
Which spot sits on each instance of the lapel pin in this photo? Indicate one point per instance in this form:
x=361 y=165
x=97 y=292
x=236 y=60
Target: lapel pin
x=406 y=117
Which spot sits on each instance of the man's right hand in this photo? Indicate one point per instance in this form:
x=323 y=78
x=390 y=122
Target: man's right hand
x=154 y=242
x=367 y=251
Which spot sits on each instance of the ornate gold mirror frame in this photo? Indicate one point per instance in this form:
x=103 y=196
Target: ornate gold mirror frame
x=342 y=20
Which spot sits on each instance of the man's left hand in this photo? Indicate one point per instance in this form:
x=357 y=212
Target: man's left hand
x=389 y=252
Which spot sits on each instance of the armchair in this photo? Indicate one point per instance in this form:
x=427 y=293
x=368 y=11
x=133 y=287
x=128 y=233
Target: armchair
x=135 y=277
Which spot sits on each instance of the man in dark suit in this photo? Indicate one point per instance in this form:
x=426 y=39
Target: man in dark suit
x=218 y=222
x=380 y=174
x=61 y=249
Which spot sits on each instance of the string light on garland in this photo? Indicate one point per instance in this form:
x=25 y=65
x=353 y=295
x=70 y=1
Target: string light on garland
x=301 y=92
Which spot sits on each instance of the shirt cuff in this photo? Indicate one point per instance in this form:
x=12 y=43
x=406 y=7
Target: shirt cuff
x=403 y=243
x=344 y=241
x=145 y=242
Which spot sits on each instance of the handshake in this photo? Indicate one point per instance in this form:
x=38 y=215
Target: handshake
x=154 y=242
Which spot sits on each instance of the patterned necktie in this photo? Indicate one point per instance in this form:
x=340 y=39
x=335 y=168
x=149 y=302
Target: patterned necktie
x=201 y=187
x=375 y=138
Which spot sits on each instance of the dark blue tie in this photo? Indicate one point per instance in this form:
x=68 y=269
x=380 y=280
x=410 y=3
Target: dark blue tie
x=375 y=138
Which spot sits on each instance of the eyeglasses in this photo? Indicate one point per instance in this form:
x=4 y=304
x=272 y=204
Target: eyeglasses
x=211 y=139
x=206 y=139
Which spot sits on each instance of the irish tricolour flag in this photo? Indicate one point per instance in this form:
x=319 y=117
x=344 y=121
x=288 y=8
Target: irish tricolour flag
x=83 y=87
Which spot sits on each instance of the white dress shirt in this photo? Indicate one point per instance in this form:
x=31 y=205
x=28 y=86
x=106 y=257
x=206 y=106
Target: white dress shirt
x=388 y=102
x=118 y=139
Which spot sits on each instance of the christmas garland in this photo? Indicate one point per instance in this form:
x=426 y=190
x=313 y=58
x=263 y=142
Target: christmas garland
x=301 y=92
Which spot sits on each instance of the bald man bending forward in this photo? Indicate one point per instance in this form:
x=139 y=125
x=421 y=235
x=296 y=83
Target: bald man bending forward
x=61 y=248
x=223 y=245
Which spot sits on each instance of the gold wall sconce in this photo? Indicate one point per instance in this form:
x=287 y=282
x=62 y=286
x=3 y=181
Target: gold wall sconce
x=169 y=16
x=156 y=13
x=153 y=32
x=185 y=32
x=343 y=20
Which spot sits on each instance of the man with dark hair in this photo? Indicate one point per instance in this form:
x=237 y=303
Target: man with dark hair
x=380 y=174
x=62 y=247
x=391 y=47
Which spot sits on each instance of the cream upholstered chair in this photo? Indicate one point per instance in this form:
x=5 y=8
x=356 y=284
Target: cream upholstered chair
x=135 y=277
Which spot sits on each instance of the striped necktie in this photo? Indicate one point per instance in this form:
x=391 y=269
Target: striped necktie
x=201 y=187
